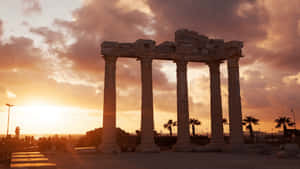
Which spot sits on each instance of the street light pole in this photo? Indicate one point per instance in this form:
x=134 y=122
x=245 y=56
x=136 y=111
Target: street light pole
x=9 y=106
x=294 y=114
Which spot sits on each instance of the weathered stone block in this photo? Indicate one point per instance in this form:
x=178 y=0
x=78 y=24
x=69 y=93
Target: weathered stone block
x=144 y=47
x=185 y=34
x=126 y=46
x=127 y=49
x=165 y=50
x=232 y=52
x=145 y=44
x=109 y=48
x=192 y=37
x=166 y=47
x=215 y=43
x=234 y=44
x=187 y=49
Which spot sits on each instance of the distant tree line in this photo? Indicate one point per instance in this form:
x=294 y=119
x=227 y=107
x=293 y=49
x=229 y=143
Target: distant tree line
x=248 y=122
x=129 y=141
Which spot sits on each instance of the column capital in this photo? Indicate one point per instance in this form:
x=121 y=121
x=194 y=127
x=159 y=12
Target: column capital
x=110 y=58
x=145 y=59
x=214 y=64
x=180 y=60
x=233 y=62
x=181 y=64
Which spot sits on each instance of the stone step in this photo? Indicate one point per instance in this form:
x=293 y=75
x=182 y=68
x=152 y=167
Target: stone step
x=30 y=160
x=33 y=166
x=28 y=156
x=26 y=153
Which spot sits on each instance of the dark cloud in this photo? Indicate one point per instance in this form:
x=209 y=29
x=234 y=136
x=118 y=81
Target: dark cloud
x=20 y=53
x=281 y=47
x=284 y=59
x=267 y=96
x=31 y=7
x=97 y=21
x=210 y=17
x=50 y=37
x=105 y=20
x=112 y=23
x=253 y=85
x=1 y=28
x=84 y=54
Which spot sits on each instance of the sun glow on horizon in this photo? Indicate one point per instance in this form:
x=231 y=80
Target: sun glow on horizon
x=43 y=113
x=38 y=117
x=45 y=117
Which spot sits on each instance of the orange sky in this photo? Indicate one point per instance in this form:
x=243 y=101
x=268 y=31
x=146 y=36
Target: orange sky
x=51 y=67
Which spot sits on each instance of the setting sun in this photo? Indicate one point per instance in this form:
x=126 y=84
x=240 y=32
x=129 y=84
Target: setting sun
x=43 y=117
x=43 y=113
x=37 y=116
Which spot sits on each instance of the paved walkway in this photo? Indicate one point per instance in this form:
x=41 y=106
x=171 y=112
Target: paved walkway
x=30 y=160
x=171 y=160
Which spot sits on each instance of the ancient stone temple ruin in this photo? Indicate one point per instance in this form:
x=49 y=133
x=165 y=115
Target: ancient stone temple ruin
x=189 y=46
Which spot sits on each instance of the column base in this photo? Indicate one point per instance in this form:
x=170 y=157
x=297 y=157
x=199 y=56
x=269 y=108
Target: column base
x=236 y=148
x=148 y=148
x=238 y=141
x=216 y=144
x=183 y=147
x=109 y=148
x=215 y=147
x=209 y=148
x=217 y=141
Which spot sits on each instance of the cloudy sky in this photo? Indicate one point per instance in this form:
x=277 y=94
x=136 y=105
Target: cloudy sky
x=52 y=70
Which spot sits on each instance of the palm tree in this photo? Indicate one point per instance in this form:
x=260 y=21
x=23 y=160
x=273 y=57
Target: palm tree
x=284 y=121
x=194 y=122
x=249 y=121
x=138 y=132
x=169 y=126
x=224 y=121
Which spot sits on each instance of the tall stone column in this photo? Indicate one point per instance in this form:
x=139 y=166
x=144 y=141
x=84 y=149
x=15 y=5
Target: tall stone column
x=217 y=135
x=235 y=108
x=109 y=144
x=183 y=129
x=147 y=122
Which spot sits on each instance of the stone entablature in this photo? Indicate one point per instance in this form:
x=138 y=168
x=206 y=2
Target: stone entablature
x=188 y=45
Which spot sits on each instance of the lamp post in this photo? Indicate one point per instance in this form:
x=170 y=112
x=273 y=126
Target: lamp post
x=294 y=116
x=9 y=106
